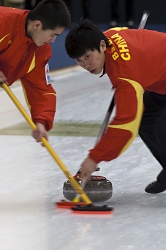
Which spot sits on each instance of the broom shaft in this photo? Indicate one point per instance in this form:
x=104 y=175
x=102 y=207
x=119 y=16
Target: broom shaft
x=72 y=180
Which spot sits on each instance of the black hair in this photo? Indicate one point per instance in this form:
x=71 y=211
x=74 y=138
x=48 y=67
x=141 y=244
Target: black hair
x=51 y=13
x=80 y=39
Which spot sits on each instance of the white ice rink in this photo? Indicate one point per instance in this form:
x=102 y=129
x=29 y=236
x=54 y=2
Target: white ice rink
x=31 y=183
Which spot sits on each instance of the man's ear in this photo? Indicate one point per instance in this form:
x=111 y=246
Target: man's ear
x=102 y=45
x=37 y=24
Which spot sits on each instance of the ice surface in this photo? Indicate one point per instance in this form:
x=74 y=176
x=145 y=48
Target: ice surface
x=31 y=183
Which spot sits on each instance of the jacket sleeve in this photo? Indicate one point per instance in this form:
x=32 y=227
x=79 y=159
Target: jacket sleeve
x=40 y=95
x=124 y=127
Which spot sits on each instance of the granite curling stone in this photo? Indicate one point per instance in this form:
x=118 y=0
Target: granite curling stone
x=98 y=189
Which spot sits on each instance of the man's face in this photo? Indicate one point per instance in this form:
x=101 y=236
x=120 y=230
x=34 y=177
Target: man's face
x=93 y=61
x=41 y=37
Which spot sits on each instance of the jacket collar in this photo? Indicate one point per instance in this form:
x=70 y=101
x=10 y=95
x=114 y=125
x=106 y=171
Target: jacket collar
x=22 y=29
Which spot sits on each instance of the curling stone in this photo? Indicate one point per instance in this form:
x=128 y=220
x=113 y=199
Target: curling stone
x=98 y=189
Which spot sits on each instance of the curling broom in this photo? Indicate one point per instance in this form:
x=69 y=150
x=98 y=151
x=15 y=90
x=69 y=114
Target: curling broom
x=75 y=185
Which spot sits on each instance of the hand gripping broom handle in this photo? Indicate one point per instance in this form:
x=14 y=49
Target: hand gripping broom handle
x=72 y=180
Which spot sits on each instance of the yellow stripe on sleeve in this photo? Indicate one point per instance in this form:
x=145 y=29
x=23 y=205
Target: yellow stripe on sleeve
x=4 y=37
x=32 y=65
x=134 y=125
x=49 y=94
x=25 y=97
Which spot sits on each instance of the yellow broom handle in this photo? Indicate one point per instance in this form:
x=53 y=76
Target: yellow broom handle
x=71 y=179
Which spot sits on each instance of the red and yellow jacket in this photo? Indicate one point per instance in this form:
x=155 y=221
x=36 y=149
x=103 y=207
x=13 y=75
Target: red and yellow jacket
x=20 y=58
x=135 y=62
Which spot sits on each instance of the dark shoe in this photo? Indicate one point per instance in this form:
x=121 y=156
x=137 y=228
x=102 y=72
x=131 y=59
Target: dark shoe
x=155 y=187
